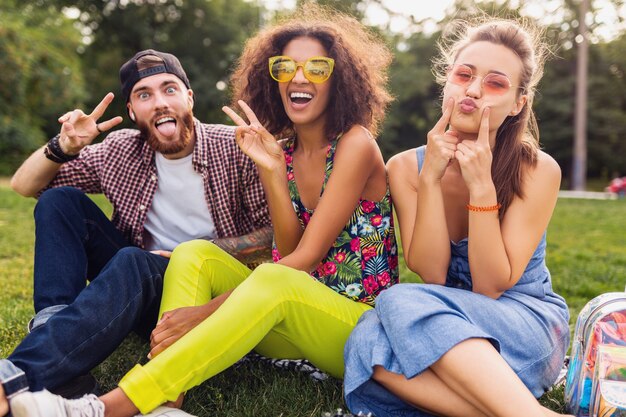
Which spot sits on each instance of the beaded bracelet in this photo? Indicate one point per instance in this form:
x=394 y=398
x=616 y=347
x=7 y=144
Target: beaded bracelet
x=51 y=156
x=495 y=207
x=54 y=152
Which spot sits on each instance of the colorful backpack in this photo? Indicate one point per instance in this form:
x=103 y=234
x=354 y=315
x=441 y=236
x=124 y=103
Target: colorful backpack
x=596 y=376
x=608 y=398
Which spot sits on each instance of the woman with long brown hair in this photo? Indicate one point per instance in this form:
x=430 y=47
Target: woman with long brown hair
x=485 y=334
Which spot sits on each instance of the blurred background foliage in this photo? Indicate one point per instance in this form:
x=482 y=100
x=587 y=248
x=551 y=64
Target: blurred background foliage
x=57 y=55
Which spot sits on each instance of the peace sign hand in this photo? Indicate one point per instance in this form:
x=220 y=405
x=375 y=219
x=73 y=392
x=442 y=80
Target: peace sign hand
x=442 y=145
x=79 y=129
x=255 y=141
x=475 y=156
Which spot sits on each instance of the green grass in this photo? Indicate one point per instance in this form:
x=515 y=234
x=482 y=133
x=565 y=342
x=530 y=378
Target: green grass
x=586 y=255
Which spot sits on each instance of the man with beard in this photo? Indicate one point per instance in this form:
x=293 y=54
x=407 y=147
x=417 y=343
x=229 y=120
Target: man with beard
x=173 y=180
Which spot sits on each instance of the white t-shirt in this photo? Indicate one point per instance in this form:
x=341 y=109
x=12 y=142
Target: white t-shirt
x=179 y=210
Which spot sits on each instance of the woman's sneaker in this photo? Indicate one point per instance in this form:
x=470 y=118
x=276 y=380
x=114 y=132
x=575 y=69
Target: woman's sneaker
x=45 y=404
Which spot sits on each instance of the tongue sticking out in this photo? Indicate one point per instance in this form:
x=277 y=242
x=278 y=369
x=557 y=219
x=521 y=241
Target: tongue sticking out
x=167 y=128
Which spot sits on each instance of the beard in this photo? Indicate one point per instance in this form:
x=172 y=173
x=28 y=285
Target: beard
x=170 y=147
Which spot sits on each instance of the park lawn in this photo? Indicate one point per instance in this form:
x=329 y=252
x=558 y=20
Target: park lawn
x=586 y=256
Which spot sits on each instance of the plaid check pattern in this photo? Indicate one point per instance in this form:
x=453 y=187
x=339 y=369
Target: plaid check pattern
x=122 y=167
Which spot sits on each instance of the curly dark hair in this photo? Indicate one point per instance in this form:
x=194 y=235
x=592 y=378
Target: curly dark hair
x=359 y=81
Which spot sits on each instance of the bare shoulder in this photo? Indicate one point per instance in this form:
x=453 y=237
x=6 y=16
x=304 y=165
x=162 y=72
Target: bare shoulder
x=547 y=162
x=403 y=164
x=542 y=181
x=358 y=141
x=546 y=170
x=357 y=135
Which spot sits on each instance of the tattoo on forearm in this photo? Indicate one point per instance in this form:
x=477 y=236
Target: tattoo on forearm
x=252 y=249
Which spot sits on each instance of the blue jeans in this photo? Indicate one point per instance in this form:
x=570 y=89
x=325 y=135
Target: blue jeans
x=73 y=241
x=125 y=296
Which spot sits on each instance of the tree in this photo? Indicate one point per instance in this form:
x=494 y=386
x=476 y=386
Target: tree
x=41 y=78
x=207 y=37
x=605 y=100
x=416 y=106
x=607 y=109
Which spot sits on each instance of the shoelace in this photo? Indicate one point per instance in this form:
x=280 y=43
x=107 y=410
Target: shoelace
x=87 y=406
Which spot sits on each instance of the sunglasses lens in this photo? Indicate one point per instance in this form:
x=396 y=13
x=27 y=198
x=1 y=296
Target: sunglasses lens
x=460 y=75
x=492 y=83
x=318 y=70
x=496 y=84
x=282 y=69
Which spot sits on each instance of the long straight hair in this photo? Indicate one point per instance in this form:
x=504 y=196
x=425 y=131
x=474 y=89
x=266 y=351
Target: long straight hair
x=517 y=139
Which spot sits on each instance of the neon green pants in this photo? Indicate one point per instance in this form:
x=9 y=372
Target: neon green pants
x=278 y=311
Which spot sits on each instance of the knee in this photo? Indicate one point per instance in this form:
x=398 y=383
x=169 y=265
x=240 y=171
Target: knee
x=130 y=254
x=129 y=261
x=60 y=194
x=132 y=269
x=269 y=275
x=274 y=281
x=58 y=197
x=194 y=251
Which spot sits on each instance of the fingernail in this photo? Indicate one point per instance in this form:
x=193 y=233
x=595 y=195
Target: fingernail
x=149 y=356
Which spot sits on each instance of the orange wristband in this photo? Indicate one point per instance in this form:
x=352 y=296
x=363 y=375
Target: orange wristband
x=495 y=207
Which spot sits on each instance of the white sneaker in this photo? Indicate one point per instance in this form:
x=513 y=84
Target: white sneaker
x=45 y=404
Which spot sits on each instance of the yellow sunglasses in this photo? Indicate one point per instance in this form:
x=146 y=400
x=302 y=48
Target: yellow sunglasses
x=316 y=69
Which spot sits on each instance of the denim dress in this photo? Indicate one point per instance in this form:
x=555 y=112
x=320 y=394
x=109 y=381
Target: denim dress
x=414 y=325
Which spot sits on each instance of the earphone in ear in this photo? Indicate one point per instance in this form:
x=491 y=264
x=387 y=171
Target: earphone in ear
x=131 y=115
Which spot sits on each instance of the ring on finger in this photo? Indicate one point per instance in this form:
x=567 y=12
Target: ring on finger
x=98 y=128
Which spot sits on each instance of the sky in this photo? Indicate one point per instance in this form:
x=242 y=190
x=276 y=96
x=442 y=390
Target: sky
x=420 y=9
x=548 y=10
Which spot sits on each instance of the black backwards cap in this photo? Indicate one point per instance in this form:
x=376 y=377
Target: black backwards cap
x=130 y=72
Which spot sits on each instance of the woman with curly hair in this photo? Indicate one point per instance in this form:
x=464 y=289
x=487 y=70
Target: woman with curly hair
x=485 y=334
x=317 y=83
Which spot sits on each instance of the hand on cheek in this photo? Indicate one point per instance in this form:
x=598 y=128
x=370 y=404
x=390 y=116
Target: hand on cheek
x=475 y=156
x=442 y=145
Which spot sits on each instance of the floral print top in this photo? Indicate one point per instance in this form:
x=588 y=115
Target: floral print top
x=363 y=261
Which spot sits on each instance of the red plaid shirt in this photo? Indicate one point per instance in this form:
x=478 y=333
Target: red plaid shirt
x=122 y=167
